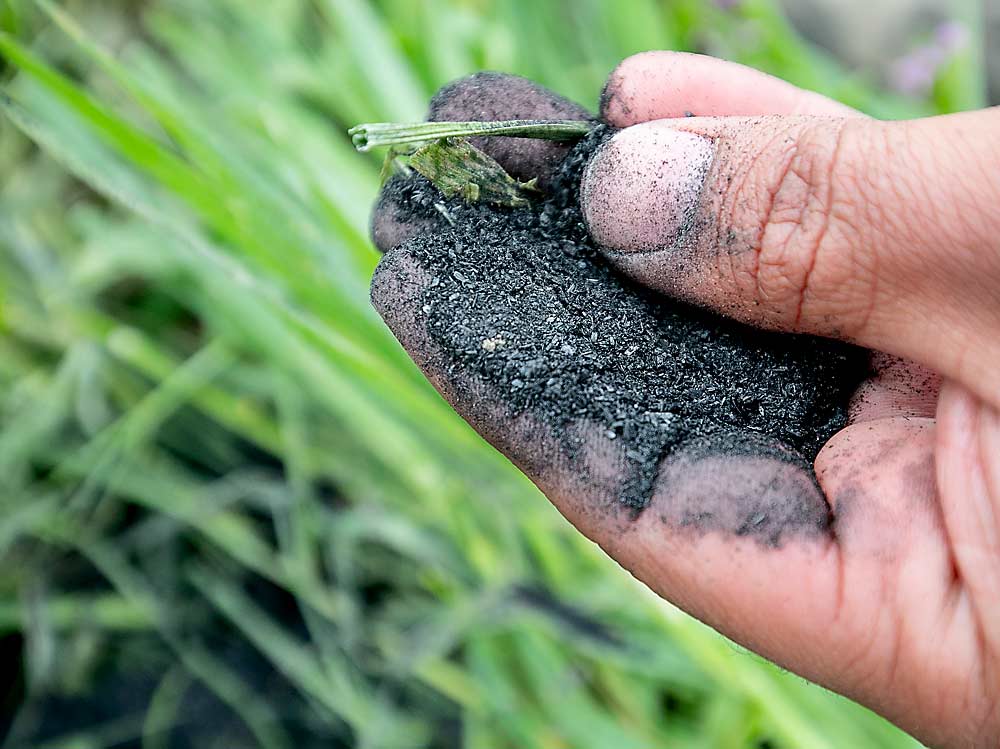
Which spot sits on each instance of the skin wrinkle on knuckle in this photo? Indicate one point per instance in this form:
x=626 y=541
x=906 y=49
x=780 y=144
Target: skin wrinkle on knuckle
x=747 y=194
x=811 y=226
x=755 y=203
x=810 y=275
x=852 y=246
x=760 y=293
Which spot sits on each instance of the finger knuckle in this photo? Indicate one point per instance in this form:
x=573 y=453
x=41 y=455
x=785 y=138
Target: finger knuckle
x=808 y=273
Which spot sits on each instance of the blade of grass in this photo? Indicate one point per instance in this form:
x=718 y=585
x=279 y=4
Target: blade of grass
x=388 y=77
x=343 y=697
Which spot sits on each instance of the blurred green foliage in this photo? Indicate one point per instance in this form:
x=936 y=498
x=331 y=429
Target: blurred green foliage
x=231 y=511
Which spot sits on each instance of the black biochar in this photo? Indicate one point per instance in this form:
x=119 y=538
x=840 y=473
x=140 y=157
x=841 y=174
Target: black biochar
x=523 y=301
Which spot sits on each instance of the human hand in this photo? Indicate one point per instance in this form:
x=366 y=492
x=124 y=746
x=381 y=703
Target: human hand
x=814 y=220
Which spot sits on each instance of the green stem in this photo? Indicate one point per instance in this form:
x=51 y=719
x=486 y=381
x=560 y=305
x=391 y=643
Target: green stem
x=376 y=134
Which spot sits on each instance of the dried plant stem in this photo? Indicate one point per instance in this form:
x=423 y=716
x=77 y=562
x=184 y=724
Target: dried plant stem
x=373 y=135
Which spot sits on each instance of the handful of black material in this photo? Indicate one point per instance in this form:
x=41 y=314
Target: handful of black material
x=522 y=300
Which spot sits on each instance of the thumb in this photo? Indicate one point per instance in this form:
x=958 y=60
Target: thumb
x=883 y=234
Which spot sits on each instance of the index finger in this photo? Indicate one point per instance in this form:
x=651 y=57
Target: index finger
x=662 y=85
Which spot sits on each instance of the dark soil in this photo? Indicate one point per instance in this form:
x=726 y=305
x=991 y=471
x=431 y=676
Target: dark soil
x=523 y=300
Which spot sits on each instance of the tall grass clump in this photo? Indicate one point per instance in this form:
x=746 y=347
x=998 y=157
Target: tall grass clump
x=232 y=513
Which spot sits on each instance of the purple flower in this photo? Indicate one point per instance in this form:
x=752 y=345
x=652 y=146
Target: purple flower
x=951 y=36
x=914 y=73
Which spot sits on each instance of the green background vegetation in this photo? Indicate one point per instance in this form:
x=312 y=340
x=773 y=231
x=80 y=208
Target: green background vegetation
x=231 y=511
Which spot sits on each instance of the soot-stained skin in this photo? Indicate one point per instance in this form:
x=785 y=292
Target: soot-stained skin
x=522 y=302
x=745 y=484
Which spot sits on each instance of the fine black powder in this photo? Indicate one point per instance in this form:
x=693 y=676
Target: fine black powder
x=523 y=301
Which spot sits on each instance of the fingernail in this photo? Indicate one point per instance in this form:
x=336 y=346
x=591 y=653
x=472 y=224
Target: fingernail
x=641 y=190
